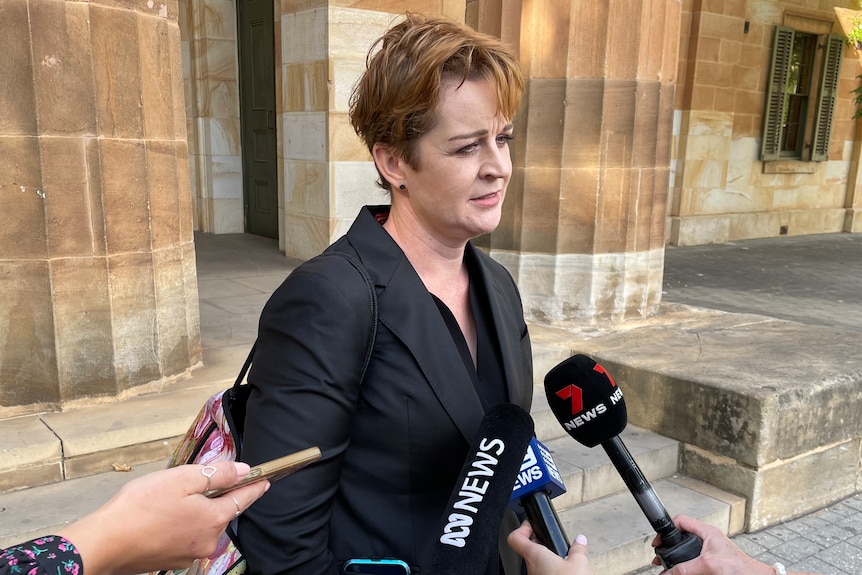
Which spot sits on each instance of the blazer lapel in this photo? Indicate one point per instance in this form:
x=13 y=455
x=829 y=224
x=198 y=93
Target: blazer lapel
x=506 y=329
x=411 y=314
x=407 y=309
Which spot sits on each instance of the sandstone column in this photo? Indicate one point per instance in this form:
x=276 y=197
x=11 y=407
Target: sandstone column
x=98 y=291
x=584 y=227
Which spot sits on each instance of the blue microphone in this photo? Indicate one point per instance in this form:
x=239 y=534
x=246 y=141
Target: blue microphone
x=537 y=483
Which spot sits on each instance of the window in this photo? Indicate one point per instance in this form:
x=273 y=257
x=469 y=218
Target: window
x=800 y=98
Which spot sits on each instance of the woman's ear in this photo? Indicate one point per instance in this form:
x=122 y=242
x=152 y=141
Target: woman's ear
x=388 y=164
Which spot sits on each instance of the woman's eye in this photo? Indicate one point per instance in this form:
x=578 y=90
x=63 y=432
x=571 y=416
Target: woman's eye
x=501 y=140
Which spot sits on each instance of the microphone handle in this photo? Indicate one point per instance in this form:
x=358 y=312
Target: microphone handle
x=639 y=486
x=676 y=546
x=545 y=522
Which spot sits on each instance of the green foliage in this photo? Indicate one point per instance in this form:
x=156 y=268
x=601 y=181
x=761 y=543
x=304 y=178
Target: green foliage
x=854 y=36
x=858 y=99
x=854 y=39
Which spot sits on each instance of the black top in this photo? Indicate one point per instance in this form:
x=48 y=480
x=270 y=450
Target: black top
x=486 y=375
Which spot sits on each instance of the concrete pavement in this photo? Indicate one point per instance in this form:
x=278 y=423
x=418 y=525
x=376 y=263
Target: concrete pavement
x=811 y=281
x=814 y=280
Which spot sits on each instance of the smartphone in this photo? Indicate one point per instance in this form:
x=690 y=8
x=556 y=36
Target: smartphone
x=273 y=470
x=383 y=566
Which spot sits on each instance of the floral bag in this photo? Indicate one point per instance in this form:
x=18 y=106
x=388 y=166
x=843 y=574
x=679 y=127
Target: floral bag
x=216 y=435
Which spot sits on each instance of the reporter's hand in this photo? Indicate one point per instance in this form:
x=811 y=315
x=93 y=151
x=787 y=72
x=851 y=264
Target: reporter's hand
x=542 y=561
x=161 y=520
x=719 y=555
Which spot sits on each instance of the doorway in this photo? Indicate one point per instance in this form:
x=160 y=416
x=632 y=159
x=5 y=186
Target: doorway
x=258 y=137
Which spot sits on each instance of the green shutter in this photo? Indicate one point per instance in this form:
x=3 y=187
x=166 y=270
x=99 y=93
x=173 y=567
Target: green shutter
x=776 y=98
x=826 y=98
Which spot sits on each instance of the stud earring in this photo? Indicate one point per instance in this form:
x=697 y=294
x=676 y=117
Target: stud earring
x=402 y=187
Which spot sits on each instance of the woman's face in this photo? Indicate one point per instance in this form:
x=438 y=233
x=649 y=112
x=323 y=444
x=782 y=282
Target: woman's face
x=463 y=166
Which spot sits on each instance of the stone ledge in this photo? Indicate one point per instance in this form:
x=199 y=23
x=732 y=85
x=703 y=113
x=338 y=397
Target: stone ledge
x=50 y=447
x=781 y=490
x=137 y=420
x=26 y=441
x=768 y=409
x=31 y=476
x=128 y=456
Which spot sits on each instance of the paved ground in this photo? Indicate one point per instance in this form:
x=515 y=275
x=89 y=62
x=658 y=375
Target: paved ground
x=827 y=542
x=815 y=280
x=236 y=275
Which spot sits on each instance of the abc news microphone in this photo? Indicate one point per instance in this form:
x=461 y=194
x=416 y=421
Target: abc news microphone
x=589 y=405
x=471 y=522
x=537 y=483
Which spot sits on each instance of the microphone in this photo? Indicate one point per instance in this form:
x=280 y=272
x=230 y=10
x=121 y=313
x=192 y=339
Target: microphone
x=589 y=405
x=538 y=482
x=471 y=523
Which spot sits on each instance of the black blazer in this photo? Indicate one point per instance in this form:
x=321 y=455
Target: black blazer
x=393 y=449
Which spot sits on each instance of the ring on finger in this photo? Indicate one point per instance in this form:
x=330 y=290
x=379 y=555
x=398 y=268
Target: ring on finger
x=208 y=471
x=235 y=502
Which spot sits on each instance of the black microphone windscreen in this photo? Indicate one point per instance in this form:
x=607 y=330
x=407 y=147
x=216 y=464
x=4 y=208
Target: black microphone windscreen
x=471 y=522
x=586 y=400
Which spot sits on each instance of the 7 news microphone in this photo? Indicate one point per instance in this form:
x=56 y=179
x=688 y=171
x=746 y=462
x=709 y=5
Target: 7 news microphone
x=589 y=405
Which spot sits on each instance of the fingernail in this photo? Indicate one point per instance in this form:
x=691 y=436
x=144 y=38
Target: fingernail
x=581 y=539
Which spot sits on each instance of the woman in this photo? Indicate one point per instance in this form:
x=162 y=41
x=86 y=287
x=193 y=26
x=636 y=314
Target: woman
x=435 y=109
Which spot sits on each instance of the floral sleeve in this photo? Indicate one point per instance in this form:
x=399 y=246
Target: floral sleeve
x=51 y=555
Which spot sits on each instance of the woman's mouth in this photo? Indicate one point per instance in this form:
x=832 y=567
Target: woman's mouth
x=488 y=200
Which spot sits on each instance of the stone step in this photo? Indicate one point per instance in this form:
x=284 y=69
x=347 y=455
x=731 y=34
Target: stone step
x=51 y=447
x=45 y=448
x=28 y=513
x=598 y=504
x=620 y=536
x=588 y=474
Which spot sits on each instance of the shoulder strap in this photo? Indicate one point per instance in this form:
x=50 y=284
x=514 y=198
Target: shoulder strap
x=372 y=296
x=241 y=377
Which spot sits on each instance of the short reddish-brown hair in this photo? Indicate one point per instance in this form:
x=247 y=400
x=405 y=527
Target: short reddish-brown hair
x=395 y=101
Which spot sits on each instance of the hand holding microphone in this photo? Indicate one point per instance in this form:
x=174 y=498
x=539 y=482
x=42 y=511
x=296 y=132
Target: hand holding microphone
x=589 y=405
x=542 y=561
x=537 y=483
